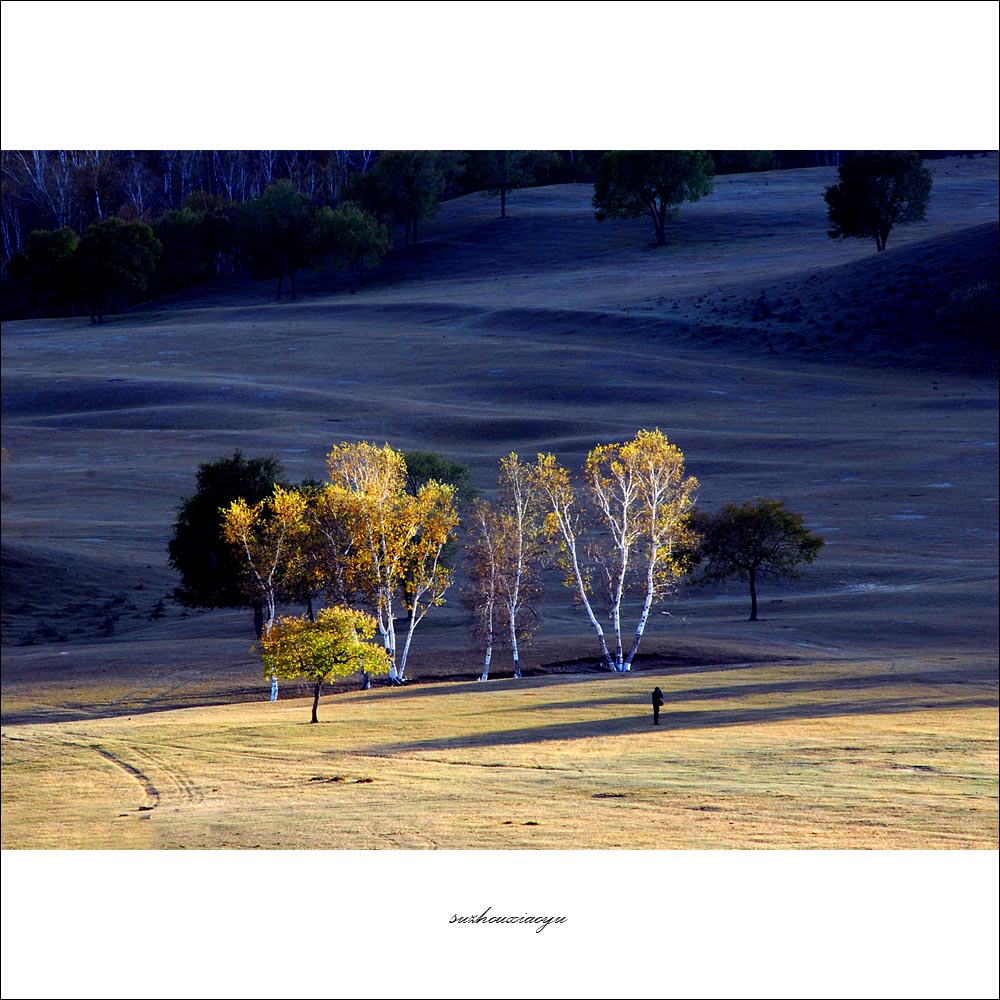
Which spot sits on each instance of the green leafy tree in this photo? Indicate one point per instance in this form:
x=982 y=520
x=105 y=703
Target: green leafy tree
x=423 y=466
x=199 y=241
x=631 y=184
x=877 y=190
x=334 y=644
x=276 y=230
x=211 y=571
x=113 y=262
x=753 y=541
x=500 y=171
x=405 y=187
x=354 y=236
x=45 y=269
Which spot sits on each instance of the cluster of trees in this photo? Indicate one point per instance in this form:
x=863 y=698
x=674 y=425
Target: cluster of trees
x=377 y=541
x=208 y=214
x=103 y=269
x=115 y=262
x=101 y=229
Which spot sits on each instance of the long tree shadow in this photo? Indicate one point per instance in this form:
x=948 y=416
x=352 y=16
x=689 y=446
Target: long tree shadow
x=680 y=721
x=792 y=687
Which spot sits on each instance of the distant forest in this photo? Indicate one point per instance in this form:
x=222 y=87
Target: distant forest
x=98 y=230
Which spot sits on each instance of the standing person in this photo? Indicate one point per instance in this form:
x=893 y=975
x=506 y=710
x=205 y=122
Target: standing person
x=657 y=702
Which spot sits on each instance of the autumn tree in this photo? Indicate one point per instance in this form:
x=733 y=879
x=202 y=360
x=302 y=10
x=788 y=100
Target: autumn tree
x=421 y=468
x=265 y=533
x=632 y=184
x=520 y=521
x=484 y=555
x=393 y=535
x=753 y=541
x=877 y=190
x=334 y=644
x=632 y=536
x=427 y=574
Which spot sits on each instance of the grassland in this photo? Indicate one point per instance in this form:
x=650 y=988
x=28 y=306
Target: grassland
x=859 y=713
x=833 y=756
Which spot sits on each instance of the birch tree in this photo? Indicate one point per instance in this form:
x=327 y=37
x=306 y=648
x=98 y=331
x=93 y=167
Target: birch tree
x=427 y=575
x=504 y=559
x=393 y=533
x=634 y=538
x=521 y=526
x=484 y=556
x=265 y=533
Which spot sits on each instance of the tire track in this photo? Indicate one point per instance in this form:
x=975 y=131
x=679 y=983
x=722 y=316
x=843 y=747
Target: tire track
x=152 y=792
x=189 y=791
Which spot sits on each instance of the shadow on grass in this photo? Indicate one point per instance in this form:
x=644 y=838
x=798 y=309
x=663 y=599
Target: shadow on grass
x=671 y=721
x=733 y=692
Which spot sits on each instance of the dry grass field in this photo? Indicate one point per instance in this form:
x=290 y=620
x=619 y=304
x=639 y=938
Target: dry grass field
x=860 y=712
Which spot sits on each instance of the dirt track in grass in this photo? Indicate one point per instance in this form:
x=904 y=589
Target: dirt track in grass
x=782 y=363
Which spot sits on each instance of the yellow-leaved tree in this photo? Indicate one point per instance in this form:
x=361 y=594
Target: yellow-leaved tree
x=631 y=536
x=266 y=534
x=334 y=644
x=394 y=536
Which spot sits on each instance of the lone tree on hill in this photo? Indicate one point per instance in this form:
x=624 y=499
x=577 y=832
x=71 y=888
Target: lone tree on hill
x=752 y=541
x=631 y=184
x=877 y=191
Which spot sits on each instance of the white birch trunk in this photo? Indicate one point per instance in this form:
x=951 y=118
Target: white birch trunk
x=489 y=654
x=647 y=604
x=513 y=646
x=582 y=591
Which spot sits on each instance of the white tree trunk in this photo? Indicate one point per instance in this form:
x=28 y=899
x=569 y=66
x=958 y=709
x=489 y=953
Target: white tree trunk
x=513 y=646
x=489 y=656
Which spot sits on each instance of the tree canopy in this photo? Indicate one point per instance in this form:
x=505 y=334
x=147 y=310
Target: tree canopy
x=276 y=229
x=631 y=184
x=114 y=261
x=354 y=236
x=877 y=190
x=754 y=540
x=334 y=644
x=211 y=572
